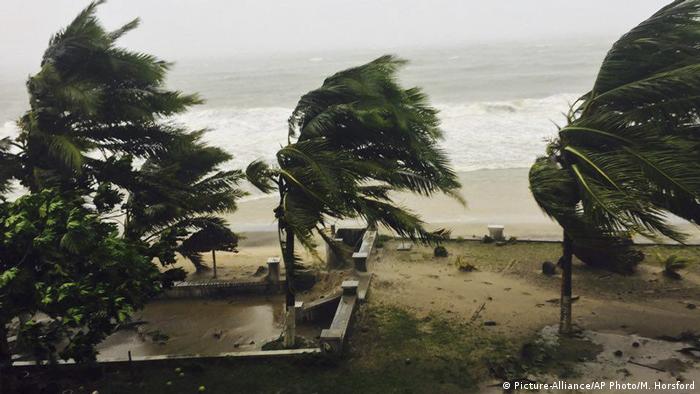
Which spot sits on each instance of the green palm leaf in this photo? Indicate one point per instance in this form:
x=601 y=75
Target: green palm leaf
x=353 y=140
x=629 y=149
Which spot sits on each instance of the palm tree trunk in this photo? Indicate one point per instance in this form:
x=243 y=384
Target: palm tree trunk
x=199 y=267
x=5 y=356
x=287 y=246
x=213 y=260
x=565 y=302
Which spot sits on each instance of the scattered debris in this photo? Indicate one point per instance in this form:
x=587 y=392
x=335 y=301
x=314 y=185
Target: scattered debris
x=489 y=323
x=685 y=336
x=645 y=366
x=477 y=312
x=440 y=251
x=691 y=351
x=404 y=246
x=556 y=300
x=509 y=265
x=624 y=371
x=549 y=268
x=158 y=337
x=463 y=265
x=671 y=266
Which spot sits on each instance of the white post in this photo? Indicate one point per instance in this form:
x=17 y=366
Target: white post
x=496 y=232
x=273 y=269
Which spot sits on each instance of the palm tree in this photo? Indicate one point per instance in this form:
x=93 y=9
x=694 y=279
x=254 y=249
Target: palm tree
x=96 y=110
x=8 y=165
x=173 y=197
x=628 y=155
x=351 y=142
x=91 y=101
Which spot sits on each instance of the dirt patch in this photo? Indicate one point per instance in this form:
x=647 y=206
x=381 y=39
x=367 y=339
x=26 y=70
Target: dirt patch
x=509 y=282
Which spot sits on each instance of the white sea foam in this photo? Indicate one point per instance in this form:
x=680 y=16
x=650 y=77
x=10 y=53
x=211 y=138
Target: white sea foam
x=478 y=135
x=503 y=134
x=8 y=129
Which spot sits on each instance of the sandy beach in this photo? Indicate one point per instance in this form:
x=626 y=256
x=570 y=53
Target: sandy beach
x=493 y=197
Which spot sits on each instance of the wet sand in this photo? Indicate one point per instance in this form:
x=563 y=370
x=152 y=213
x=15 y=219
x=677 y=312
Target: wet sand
x=521 y=300
x=493 y=197
x=253 y=251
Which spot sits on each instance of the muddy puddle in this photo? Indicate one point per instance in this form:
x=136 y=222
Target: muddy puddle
x=177 y=327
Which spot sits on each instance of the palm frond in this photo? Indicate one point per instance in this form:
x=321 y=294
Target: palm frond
x=259 y=174
x=353 y=141
x=629 y=153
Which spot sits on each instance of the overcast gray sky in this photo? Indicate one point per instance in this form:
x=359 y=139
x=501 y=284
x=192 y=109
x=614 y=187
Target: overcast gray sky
x=180 y=29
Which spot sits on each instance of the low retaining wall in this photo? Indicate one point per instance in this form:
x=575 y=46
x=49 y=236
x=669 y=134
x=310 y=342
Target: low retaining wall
x=260 y=354
x=354 y=291
x=333 y=339
x=222 y=289
x=365 y=250
x=272 y=283
x=317 y=309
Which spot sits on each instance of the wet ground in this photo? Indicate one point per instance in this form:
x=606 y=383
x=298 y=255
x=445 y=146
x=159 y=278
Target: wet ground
x=178 y=327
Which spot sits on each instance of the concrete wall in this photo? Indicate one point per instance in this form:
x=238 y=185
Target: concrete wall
x=222 y=289
x=270 y=284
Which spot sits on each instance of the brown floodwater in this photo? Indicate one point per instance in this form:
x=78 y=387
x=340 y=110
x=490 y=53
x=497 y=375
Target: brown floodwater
x=198 y=326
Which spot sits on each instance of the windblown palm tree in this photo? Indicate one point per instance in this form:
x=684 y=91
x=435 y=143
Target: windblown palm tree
x=183 y=187
x=92 y=99
x=8 y=165
x=351 y=142
x=629 y=154
x=96 y=111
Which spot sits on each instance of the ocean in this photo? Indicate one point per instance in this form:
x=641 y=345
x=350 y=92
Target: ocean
x=498 y=103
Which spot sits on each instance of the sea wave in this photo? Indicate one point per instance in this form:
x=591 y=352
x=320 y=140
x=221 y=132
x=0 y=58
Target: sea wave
x=478 y=135
x=501 y=134
x=8 y=129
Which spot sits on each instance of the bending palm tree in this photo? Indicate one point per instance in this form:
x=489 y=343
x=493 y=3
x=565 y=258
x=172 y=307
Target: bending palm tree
x=170 y=206
x=96 y=110
x=92 y=101
x=629 y=154
x=351 y=142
